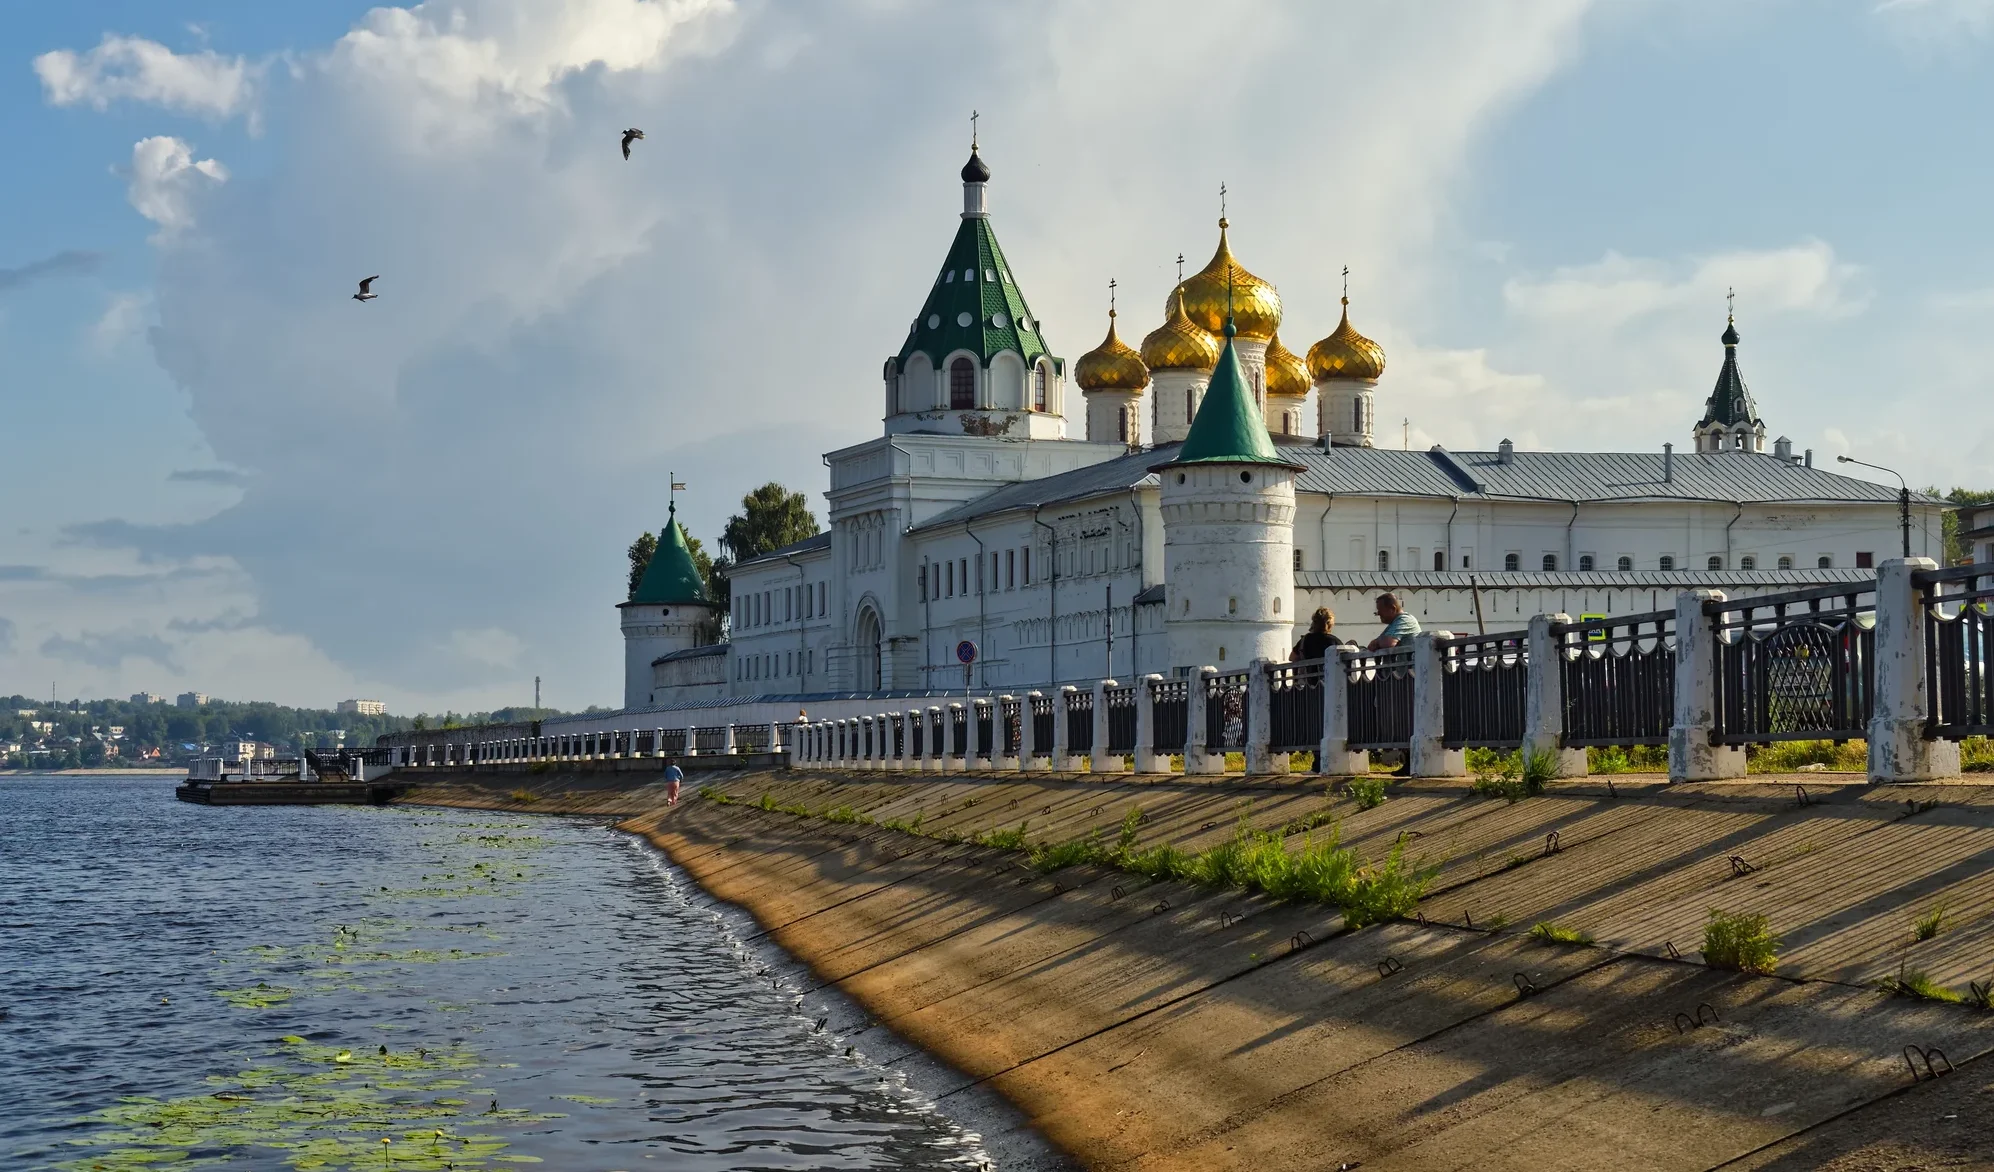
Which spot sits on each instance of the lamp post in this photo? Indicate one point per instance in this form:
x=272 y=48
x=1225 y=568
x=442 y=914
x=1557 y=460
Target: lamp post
x=1903 y=497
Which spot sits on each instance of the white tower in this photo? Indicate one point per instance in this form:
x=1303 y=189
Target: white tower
x=669 y=611
x=1112 y=378
x=1346 y=367
x=1228 y=504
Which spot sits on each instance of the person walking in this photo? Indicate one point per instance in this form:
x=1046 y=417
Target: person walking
x=674 y=777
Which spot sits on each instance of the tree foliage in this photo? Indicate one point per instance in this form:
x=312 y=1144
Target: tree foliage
x=1958 y=549
x=770 y=518
x=645 y=548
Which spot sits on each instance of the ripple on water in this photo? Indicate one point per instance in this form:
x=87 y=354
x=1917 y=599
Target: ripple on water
x=288 y=987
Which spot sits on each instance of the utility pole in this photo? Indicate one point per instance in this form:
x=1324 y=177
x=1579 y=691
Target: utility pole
x=536 y=693
x=1903 y=497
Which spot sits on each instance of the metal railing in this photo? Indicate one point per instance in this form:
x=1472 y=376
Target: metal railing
x=1172 y=699
x=1294 y=706
x=751 y=738
x=958 y=742
x=1042 y=717
x=1959 y=640
x=1795 y=666
x=1380 y=698
x=1225 y=712
x=917 y=732
x=1011 y=727
x=986 y=729
x=1121 y=718
x=709 y=740
x=1079 y=722
x=1483 y=679
x=1619 y=679
x=896 y=724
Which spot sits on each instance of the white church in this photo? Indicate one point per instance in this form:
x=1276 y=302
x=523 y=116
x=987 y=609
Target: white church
x=1225 y=488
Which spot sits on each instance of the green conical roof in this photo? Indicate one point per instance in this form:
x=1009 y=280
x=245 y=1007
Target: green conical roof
x=672 y=578
x=1227 y=429
x=972 y=294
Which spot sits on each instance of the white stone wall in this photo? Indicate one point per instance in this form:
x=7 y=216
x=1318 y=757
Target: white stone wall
x=1346 y=411
x=1174 y=396
x=1106 y=412
x=653 y=631
x=1227 y=549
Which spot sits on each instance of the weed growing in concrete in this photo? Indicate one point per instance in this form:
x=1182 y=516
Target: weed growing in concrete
x=1016 y=839
x=521 y=795
x=1308 y=822
x=1071 y=853
x=767 y=802
x=1546 y=932
x=903 y=825
x=845 y=815
x=1976 y=755
x=1916 y=984
x=1627 y=759
x=1981 y=996
x=1368 y=792
x=1789 y=756
x=1742 y=941
x=1931 y=923
x=715 y=796
x=1514 y=776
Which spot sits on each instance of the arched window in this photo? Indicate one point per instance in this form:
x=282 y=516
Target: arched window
x=1357 y=415
x=1550 y=563
x=1287 y=423
x=1512 y=562
x=1715 y=563
x=1824 y=562
x=1585 y=562
x=1668 y=562
x=1786 y=561
x=1038 y=388
x=962 y=385
x=1384 y=559
x=1748 y=562
x=1626 y=564
x=1440 y=559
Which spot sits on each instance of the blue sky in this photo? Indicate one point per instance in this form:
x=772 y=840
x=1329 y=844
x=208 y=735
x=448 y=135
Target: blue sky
x=223 y=474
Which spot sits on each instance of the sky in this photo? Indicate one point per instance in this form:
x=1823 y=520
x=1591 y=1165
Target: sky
x=221 y=473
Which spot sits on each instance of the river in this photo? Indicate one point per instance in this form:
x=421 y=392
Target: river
x=404 y=989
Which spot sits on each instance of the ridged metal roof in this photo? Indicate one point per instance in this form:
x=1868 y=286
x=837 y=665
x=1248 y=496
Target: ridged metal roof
x=815 y=541
x=1593 y=579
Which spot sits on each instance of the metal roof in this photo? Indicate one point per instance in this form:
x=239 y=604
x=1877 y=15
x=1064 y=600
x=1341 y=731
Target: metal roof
x=1577 y=579
x=815 y=541
x=710 y=649
x=1117 y=475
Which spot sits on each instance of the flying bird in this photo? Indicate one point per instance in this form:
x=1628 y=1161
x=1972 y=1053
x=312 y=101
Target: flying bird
x=366 y=289
x=629 y=136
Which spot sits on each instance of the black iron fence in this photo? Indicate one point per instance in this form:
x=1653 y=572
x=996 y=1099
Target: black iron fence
x=1042 y=717
x=917 y=729
x=1172 y=699
x=1959 y=637
x=1795 y=666
x=1380 y=698
x=751 y=738
x=1079 y=722
x=986 y=727
x=896 y=723
x=1012 y=726
x=1294 y=706
x=958 y=732
x=1618 y=676
x=1482 y=684
x=1225 y=712
x=1121 y=719
x=710 y=740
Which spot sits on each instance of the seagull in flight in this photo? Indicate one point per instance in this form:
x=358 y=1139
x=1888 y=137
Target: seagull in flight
x=629 y=136
x=366 y=289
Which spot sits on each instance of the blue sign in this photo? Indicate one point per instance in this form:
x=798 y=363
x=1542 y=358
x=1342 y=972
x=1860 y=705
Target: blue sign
x=965 y=652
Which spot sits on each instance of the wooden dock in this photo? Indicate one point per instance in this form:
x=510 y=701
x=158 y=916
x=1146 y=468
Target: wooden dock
x=289 y=793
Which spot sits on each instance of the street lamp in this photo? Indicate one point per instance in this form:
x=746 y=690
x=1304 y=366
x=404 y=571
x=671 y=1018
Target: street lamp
x=1903 y=497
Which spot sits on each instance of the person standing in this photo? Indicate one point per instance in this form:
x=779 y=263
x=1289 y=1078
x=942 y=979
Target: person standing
x=1319 y=640
x=674 y=777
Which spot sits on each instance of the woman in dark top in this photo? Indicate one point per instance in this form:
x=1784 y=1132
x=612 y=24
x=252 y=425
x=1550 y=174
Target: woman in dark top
x=1318 y=641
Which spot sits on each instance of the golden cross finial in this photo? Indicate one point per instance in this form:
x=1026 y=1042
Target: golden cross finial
x=1111 y=297
x=973 y=116
x=1346 y=284
x=1180 y=268
x=1221 y=201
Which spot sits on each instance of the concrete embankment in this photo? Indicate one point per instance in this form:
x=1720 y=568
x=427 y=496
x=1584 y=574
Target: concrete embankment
x=1155 y=1025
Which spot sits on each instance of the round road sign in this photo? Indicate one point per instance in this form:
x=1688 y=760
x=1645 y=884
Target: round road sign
x=965 y=652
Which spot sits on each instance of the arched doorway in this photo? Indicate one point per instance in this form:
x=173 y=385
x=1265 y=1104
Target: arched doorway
x=868 y=641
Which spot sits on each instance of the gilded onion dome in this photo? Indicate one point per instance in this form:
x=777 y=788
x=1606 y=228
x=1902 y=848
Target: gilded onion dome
x=1254 y=304
x=1179 y=343
x=1346 y=354
x=1287 y=374
x=1112 y=366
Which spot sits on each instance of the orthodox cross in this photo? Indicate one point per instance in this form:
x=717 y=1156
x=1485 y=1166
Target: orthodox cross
x=973 y=116
x=1346 y=284
x=1221 y=201
x=1180 y=268
x=1730 y=303
x=1111 y=297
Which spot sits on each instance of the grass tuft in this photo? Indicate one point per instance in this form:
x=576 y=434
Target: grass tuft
x=1546 y=932
x=1742 y=941
x=1916 y=984
x=1931 y=923
x=1368 y=792
x=521 y=795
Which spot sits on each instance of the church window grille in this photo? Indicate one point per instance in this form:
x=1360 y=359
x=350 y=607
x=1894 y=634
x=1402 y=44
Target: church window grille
x=1384 y=559
x=1668 y=562
x=1824 y=562
x=1748 y=562
x=1550 y=563
x=1038 y=387
x=1512 y=562
x=1440 y=559
x=1585 y=562
x=1122 y=425
x=1625 y=564
x=1715 y=563
x=1010 y=569
x=1298 y=559
x=1190 y=410
x=1786 y=561
x=1865 y=560
x=962 y=385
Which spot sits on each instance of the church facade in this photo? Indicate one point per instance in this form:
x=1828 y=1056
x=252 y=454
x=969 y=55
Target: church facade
x=1220 y=489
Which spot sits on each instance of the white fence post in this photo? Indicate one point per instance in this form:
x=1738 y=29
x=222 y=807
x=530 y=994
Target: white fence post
x=1336 y=757
x=1429 y=757
x=972 y=760
x=1062 y=749
x=1147 y=758
x=1544 y=696
x=1259 y=730
x=1001 y=755
x=1692 y=756
x=1898 y=750
x=1197 y=755
x=1028 y=732
x=1099 y=760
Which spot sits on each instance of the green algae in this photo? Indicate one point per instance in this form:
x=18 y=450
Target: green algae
x=257 y=996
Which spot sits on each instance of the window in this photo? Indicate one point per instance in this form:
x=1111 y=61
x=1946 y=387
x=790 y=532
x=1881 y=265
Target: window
x=1786 y=561
x=1550 y=563
x=1038 y=388
x=965 y=575
x=962 y=385
x=1028 y=565
x=1585 y=563
x=1298 y=559
x=1287 y=423
x=1715 y=563
x=1625 y=565
x=995 y=577
x=1512 y=561
x=1384 y=559
x=1668 y=561
x=1122 y=425
x=921 y=581
x=1467 y=562
x=1010 y=569
x=1190 y=409
x=948 y=580
x=1865 y=560
x=1748 y=562
x=823 y=608
x=1439 y=559
x=1824 y=562
x=1357 y=415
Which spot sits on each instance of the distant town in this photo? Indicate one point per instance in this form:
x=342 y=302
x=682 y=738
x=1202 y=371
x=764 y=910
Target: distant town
x=154 y=731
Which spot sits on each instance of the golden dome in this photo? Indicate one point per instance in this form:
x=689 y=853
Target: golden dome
x=1346 y=353
x=1179 y=343
x=1256 y=306
x=1111 y=366
x=1287 y=374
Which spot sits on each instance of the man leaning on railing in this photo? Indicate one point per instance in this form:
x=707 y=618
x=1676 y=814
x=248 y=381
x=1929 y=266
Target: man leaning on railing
x=1399 y=625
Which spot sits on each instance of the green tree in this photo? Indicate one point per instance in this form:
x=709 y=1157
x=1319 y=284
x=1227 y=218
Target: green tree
x=770 y=518
x=1957 y=548
x=641 y=551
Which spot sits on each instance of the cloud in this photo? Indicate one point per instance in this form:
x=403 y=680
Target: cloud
x=109 y=651
x=66 y=262
x=1617 y=291
x=122 y=320
x=223 y=476
x=165 y=180
x=6 y=635
x=134 y=69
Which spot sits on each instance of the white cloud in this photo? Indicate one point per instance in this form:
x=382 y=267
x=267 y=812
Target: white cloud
x=135 y=69
x=1616 y=291
x=123 y=319
x=165 y=180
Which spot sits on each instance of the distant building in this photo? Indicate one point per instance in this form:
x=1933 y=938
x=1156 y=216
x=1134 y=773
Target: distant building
x=1976 y=528
x=190 y=699
x=147 y=698
x=117 y=731
x=363 y=707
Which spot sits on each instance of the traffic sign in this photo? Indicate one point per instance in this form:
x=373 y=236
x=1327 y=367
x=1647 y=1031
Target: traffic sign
x=965 y=652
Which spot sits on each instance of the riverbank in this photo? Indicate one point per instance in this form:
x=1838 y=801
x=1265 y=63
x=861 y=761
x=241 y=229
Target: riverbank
x=1159 y=1024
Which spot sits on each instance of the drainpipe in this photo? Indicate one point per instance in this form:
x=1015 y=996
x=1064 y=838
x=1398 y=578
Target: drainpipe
x=1447 y=563
x=1141 y=584
x=982 y=593
x=801 y=585
x=1052 y=601
x=1729 y=561
x=1571 y=554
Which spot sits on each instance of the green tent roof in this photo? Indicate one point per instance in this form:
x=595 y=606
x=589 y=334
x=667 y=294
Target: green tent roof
x=973 y=293
x=672 y=578
x=1227 y=429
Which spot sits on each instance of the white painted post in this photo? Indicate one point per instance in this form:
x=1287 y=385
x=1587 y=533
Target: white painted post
x=1001 y=755
x=1028 y=733
x=1898 y=750
x=1692 y=756
x=775 y=738
x=1259 y=722
x=867 y=740
x=727 y=745
x=1335 y=757
x=1544 y=696
x=1147 y=758
x=931 y=753
x=1099 y=760
x=973 y=760
x=1197 y=755
x=1063 y=760
x=908 y=761
x=1429 y=712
